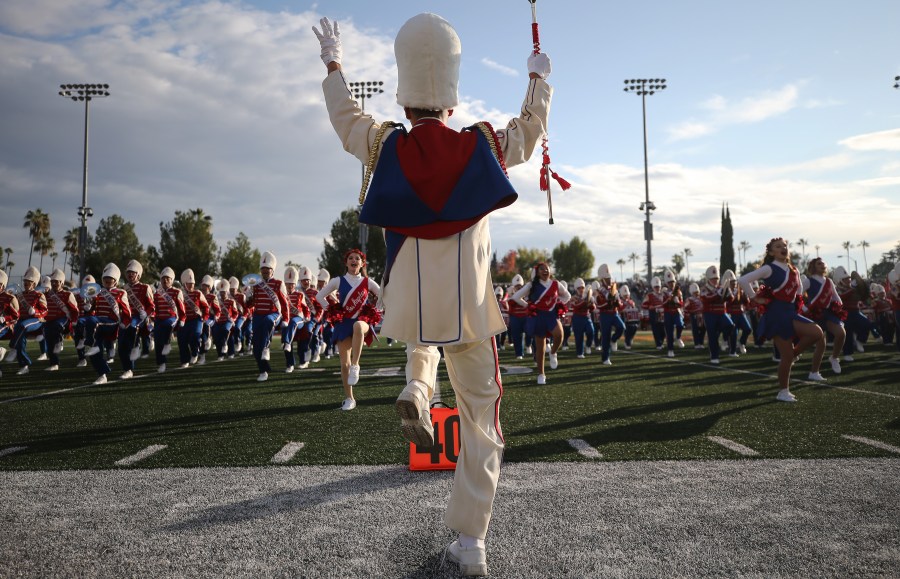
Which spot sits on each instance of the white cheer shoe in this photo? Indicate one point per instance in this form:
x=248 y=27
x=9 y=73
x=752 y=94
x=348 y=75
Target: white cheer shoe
x=353 y=376
x=784 y=395
x=349 y=404
x=472 y=561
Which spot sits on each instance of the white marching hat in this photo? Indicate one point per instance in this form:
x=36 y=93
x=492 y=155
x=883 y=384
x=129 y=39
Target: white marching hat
x=625 y=292
x=839 y=274
x=579 y=283
x=655 y=282
x=166 y=272
x=305 y=273
x=58 y=275
x=3 y=278
x=603 y=272
x=32 y=274
x=728 y=276
x=693 y=288
x=268 y=260
x=323 y=275
x=712 y=271
x=564 y=284
x=291 y=274
x=187 y=276
x=208 y=281
x=427 y=50
x=498 y=291
x=112 y=270
x=517 y=280
x=595 y=285
x=222 y=285
x=668 y=276
x=893 y=276
x=45 y=281
x=233 y=283
x=135 y=266
x=89 y=279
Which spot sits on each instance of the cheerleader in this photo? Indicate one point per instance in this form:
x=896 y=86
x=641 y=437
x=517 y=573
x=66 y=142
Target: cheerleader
x=32 y=310
x=207 y=289
x=297 y=319
x=191 y=330
x=110 y=313
x=170 y=313
x=518 y=315
x=236 y=336
x=653 y=303
x=62 y=311
x=270 y=311
x=141 y=302
x=226 y=308
x=693 y=309
x=351 y=318
x=824 y=306
x=631 y=313
x=582 y=304
x=611 y=325
x=735 y=309
x=883 y=317
x=9 y=315
x=673 y=321
x=715 y=317
x=894 y=297
x=781 y=320
x=543 y=293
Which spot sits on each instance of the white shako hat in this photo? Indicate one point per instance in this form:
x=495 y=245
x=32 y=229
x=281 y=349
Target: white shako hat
x=3 y=278
x=323 y=275
x=32 y=274
x=728 y=276
x=693 y=288
x=45 y=281
x=712 y=271
x=625 y=292
x=579 y=283
x=112 y=270
x=595 y=285
x=655 y=282
x=89 y=279
x=233 y=283
x=305 y=273
x=498 y=291
x=427 y=50
x=208 y=281
x=839 y=274
x=268 y=260
x=135 y=266
x=222 y=285
x=564 y=284
x=58 y=275
x=603 y=272
x=668 y=275
x=167 y=272
x=517 y=280
x=187 y=276
x=291 y=274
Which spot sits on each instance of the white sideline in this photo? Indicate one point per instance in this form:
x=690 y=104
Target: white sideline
x=11 y=450
x=875 y=443
x=584 y=449
x=732 y=445
x=287 y=452
x=149 y=451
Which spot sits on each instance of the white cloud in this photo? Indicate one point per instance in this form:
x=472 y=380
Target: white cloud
x=879 y=141
x=502 y=69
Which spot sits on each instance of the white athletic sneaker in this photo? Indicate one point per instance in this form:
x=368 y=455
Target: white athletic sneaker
x=202 y=360
x=518 y=357
x=784 y=395
x=185 y=365
x=2 y=352
x=22 y=371
x=262 y=377
x=289 y=370
x=166 y=349
x=528 y=350
x=816 y=376
x=671 y=354
x=286 y=347
x=734 y=355
x=860 y=348
x=316 y=357
x=659 y=347
x=126 y=375
x=42 y=357
x=607 y=363
x=541 y=379
x=848 y=359
x=58 y=347
x=472 y=561
x=265 y=354
x=161 y=369
x=194 y=359
x=349 y=404
x=238 y=347
x=81 y=363
x=627 y=346
x=835 y=365
x=580 y=356
x=134 y=354
x=742 y=349
x=679 y=342
x=714 y=361
x=101 y=379
x=208 y=344
x=303 y=366
x=587 y=351
x=52 y=368
x=92 y=351
x=80 y=345
x=415 y=417
x=699 y=347
x=554 y=361
x=353 y=377
x=614 y=347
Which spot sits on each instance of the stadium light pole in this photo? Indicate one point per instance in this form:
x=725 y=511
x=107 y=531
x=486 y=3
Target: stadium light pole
x=84 y=93
x=363 y=90
x=897 y=82
x=645 y=87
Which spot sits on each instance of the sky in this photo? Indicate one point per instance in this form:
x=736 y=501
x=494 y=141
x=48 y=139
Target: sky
x=785 y=111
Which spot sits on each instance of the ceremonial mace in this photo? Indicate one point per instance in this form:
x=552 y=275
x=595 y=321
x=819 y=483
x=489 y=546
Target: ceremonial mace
x=546 y=172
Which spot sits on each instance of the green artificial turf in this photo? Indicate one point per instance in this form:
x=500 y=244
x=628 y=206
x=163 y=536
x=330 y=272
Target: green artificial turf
x=645 y=406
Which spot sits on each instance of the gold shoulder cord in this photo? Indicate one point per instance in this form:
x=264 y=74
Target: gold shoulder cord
x=491 y=137
x=373 y=154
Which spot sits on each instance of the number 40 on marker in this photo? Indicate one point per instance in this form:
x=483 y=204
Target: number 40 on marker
x=445 y=452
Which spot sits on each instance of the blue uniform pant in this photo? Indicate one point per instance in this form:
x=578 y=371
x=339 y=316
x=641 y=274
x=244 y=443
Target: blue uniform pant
x=673 y=322
x=858 y=327
x=289 y=334
x=611 y=329
x=20 y=338
x=189 y=339
x=162 y=337
x=631 y=329
x=128 y=339
x=54 y=330
x=222 y=337
x=100 y=332
x=263 y=328
x=743 y=324
x=697 y=329
x=516 y=333
x=657 y=328
x=583 y=327
x=716 y=324
x=234 y=337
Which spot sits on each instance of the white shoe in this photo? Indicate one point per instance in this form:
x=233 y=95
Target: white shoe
x=126 y=375
x=614 y=347
x=238 y=347
x=518 y=357
x=265 y=354
x=816 y=376
x=208 y=345
x=714 y=361
x=742 y=349
x=528 y=350
x=349 y=404
x=784 y=395
x=42 y=357
x=734 y=355
x=81 y=363
x=194 y=359
x=101 y=379
x=166 y=349
x=2 y=352
x=353 y=375
x=92 y=351
x=699 y=347
x=221 y=358
x=144 y=356
x=848 y=359
x=554 y=361
x=24 y=370
x=659 y=347
x=587 y=351
x=607 y=362
x=52 y=368
x=262 y=377
x=541 y=379
x=679 y=343
x=289 y=370
x=202 y=360
x=671 y=354
x=134 y=354
x=627 y=346
x=472 y=561
x=58 y=347
x=415 y=416
x=303 y=366
x=161 y=369
x=316 y=357
x=185 y=365
x=860 y=348
x=580 y=356
x=287 y=347
x=110 y=360
x=835 y=365
x=80 y=345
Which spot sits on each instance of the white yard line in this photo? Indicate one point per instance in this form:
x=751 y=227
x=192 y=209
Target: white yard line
x=287 y=452
x=875 y=443
x=732 y=445
x=149 y=451
x=773 y=377
x=11 y=450
x=584 y=449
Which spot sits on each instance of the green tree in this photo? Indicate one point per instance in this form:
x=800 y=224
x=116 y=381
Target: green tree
x=115 y=241
x=345 y=236
x=38 y=225
x=187 y=242
x=44 y=246
x=677 y=263
x=240 y=258
x=573 y=259
x=70 y=248
x=633 y=257
x=527 y=257
x=687 y=263
x=726 y=253
x=881 y=269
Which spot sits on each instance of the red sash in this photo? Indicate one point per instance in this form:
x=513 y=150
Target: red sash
x=548 y=299
x=791 y=287
x=356 y=299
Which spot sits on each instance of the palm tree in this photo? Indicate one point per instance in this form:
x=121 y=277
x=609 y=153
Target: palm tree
x=864 y=244
x=8 y=251
x=633 y=258
x=742 y=248
x=70 y=245
x=44 y=246
x=9 y=266
x=54 y=255
x=687 y=265
x=621 y=262
x=38 y=225
x=803 y=243
x=847 y=245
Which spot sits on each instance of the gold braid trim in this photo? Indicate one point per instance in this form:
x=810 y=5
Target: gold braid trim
x=373 y=154
x=488 y=131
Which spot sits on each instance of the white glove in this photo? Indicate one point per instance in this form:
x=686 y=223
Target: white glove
x=143 y=316
x=30 y=311
x=122 y=326
x=2 y=320
x=539 y=64
x=86 y=307
x=330 y=41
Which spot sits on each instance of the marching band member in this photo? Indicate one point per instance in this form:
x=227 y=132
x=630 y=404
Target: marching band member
x=607 y=301
x=83 y=314
x=351 y=317
x=653 y=303
x=540 y=296
x=236 y=336
x=226 y=308
x=894 y=297
x=735 y=310
x=207 y=288
x=39 y=336
x=518 y=315
x=883 y=317
x=673 y=322
x=852 y=289
x=328 y=346
x=308 y=283
x=564 y=313
x=170 y=313
x=504 y=312
x=32 y=309
x=196 y=311
x=717 y=321
x=693 y=309
x=270 y=311
x=582 y=304
x=110 y=313
x=141 y=303
x=297 y=318
x=9 y=315
x=823 y=305
x=631 y=314
x=781 y=320
x=62 y=311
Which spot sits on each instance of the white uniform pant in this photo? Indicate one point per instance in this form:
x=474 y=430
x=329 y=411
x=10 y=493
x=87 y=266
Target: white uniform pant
x=475 y=377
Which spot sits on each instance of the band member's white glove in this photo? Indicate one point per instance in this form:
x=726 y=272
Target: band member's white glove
x=330 y=41
x=30 y=311
x=86 y=307
x=2 y=320
x=539 y=64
